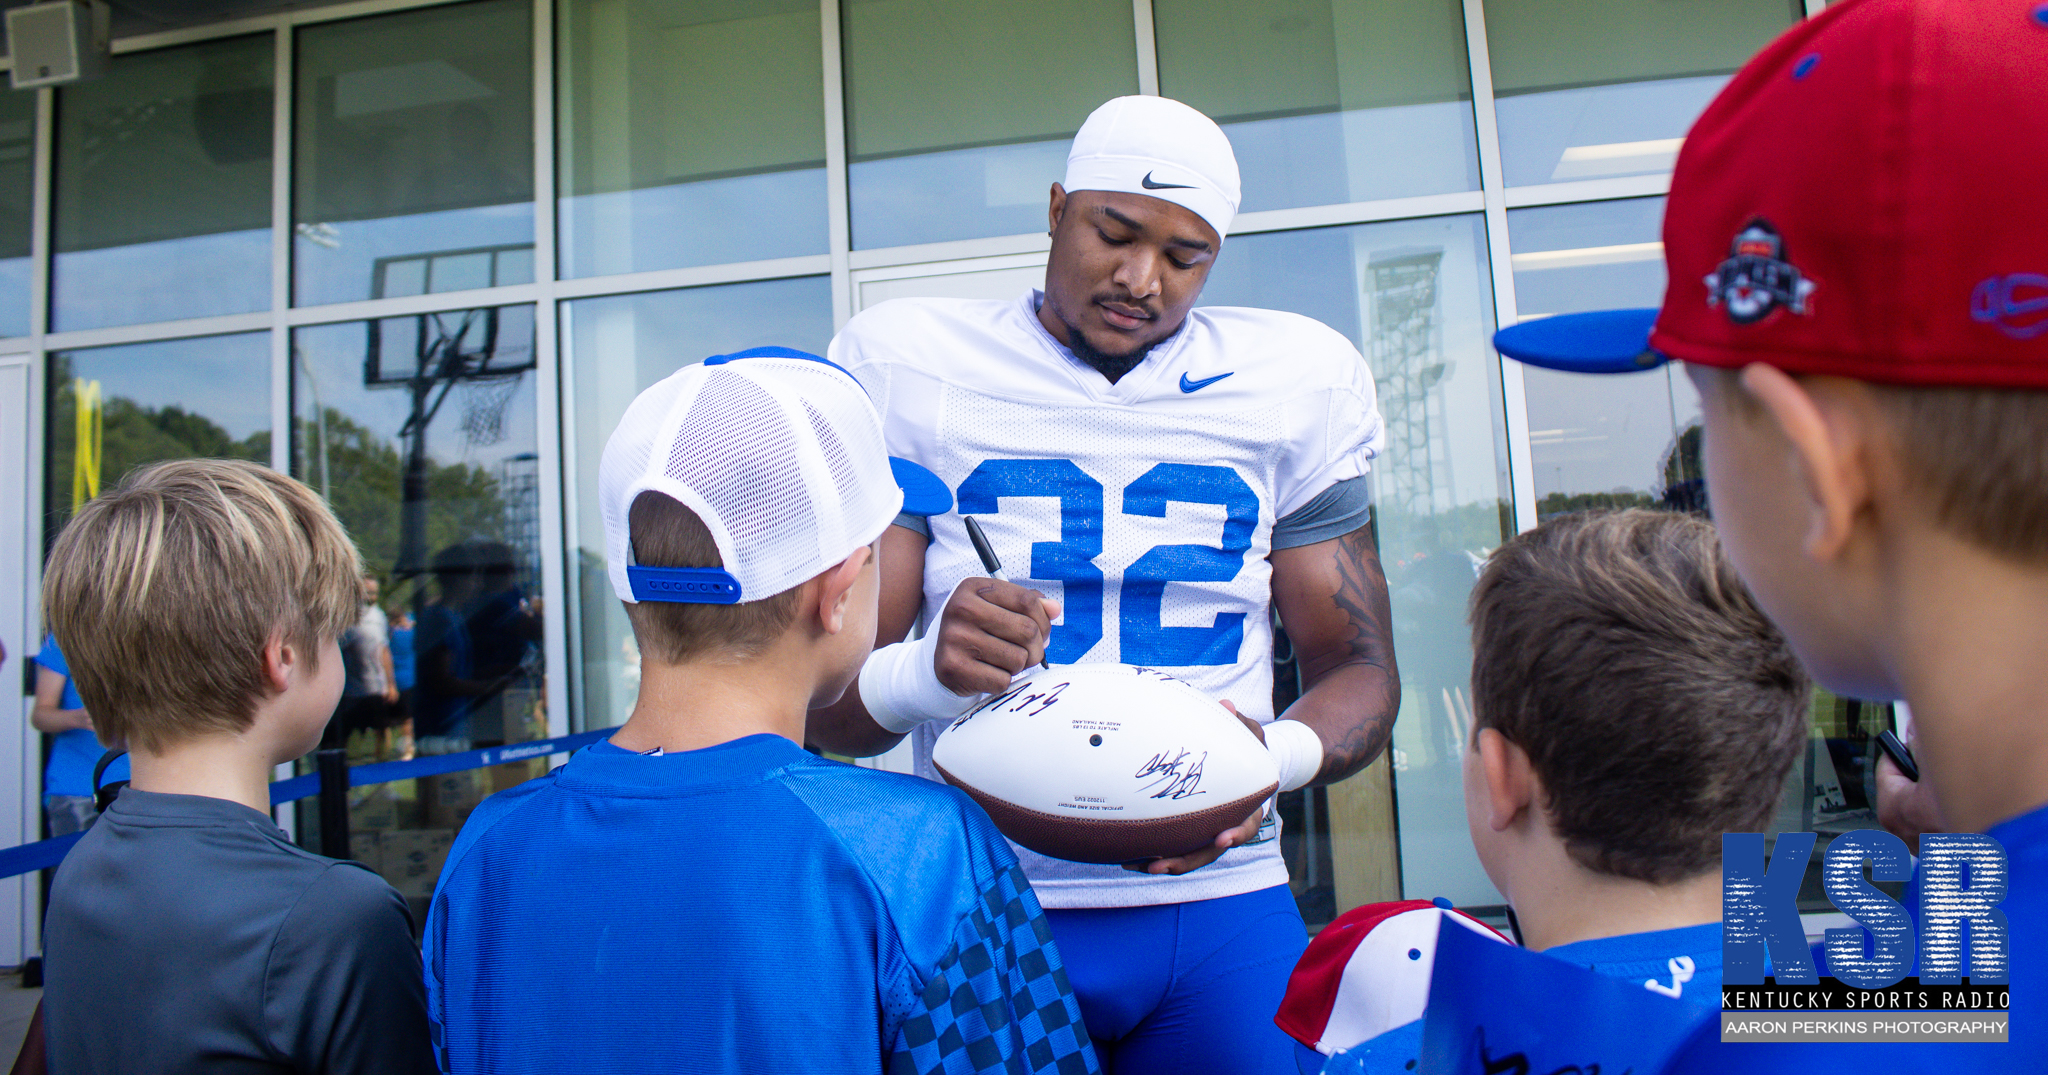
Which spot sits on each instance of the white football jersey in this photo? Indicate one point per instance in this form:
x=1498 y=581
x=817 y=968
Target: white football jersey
x=1145 y=507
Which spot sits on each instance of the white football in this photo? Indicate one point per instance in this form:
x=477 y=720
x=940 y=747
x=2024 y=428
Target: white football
x=1107 y=763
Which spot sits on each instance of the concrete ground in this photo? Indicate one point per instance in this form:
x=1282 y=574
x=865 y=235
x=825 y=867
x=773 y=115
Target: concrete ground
x=16 y=1005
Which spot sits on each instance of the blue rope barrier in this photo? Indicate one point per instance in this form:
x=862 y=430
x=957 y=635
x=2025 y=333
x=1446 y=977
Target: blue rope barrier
x=43 y=854
x=40 y=855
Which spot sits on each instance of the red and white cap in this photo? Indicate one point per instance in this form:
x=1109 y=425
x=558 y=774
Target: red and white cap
x=1859 y=201
x=1368 y=972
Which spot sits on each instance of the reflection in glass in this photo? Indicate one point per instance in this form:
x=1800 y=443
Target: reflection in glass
x=1573 y=106
x=17 y=178
x=1413 y=296
x=420 y=431
x=112 y=409
x=953 y=128
x=618 y=346
x=414 y=153
x=1602 y=441
x=163 y=177
x=692 y=134
x=1327 y=101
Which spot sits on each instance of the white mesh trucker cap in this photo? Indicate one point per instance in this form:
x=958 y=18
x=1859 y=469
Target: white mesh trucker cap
x=1159 y=147
x=779 y=452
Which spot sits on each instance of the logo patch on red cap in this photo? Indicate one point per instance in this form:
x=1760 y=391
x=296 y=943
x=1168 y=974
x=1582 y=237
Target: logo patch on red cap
x=1756 y=279
x=2017 y=304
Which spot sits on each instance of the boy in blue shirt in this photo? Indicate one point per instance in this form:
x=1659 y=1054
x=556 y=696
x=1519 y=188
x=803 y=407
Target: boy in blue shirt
x=699 y=893
x=1858 y=265
x=1630 y=703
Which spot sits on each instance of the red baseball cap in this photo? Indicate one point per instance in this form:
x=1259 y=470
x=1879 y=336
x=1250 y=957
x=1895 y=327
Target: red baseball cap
x=1863 y=200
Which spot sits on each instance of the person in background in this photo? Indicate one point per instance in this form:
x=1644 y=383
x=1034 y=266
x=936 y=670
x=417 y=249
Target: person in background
x=367 y=689
x=74 y=748
x=446 y=689
x=403 y=667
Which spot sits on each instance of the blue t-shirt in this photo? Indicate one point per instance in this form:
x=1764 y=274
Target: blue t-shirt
x=747 y=907
x=72 y=753
x=401 y=657
x=2026 y=1048
x=1686 y=960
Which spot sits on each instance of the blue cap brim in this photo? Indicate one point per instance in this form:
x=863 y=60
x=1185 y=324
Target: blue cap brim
x=1604 y=341
x=923 y=492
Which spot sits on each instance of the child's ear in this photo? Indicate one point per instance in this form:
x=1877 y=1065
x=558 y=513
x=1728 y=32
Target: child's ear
x=280 y=658
x=834 y=587
x=1825 y=436
x=1510 y=780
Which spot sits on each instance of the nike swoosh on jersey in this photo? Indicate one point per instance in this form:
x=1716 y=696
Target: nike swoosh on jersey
x=1148 y=184
x=1196 y=386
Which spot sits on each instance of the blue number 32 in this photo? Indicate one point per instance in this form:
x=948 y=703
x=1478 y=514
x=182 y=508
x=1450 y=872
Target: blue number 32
x=1071 y=560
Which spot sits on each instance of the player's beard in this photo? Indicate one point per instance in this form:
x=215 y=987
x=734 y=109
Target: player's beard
x=1110 y=366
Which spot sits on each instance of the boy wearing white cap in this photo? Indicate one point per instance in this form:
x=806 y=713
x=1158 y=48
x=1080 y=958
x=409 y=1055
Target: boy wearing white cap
x=1170 y=476
x=699 y=893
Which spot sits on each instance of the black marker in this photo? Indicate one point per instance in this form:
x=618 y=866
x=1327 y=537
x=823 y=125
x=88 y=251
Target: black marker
x=990 y=564
x=1902 y=755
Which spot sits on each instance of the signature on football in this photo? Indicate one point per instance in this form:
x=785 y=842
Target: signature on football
x=1019 y=698
x=1174 y=774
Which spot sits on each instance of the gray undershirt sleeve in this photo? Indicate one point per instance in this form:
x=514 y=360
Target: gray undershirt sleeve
x=1332 y=513
x=917 y=523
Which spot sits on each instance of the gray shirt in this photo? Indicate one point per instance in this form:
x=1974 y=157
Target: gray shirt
x=187 y=934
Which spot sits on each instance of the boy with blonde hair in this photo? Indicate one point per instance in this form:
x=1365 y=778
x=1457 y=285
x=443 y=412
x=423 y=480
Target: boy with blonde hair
x=699 y=893
x=200 y=604
x=1858 y=259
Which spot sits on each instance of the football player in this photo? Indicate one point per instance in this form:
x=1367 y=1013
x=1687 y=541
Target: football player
x=1160 y=479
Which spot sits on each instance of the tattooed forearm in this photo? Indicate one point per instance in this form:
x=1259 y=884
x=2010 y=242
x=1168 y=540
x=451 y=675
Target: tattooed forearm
x=1342 y=629
x=1362 y=595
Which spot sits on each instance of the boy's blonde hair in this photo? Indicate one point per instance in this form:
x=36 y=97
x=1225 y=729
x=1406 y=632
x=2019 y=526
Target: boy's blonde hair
x=164 y=591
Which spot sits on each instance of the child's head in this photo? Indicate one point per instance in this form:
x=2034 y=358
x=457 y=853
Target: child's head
x=194 y=593
x=1625 y=680
x=742 y=499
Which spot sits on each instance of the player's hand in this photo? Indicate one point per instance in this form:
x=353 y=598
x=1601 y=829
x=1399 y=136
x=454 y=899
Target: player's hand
x=989 y=631
x=1907 y=808
x=1225 y=840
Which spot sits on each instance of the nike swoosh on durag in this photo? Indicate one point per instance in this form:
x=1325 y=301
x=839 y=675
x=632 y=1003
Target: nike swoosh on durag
x=1148 y=184
x=1196 y=386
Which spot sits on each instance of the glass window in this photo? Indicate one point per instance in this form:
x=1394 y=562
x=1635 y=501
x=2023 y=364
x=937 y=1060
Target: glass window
x=17 y=179
x=163 y=187
x=1327 y=101
x=1413 y=295
x=1578 y=105
x=414 y=153
x=421 y=433
x=112 y=409
x=956 y=124
x=1602 y=441
x=693 y=133
x=617 y=347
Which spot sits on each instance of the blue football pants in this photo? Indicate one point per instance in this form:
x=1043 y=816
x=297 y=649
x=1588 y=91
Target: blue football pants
x=1187 y=988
